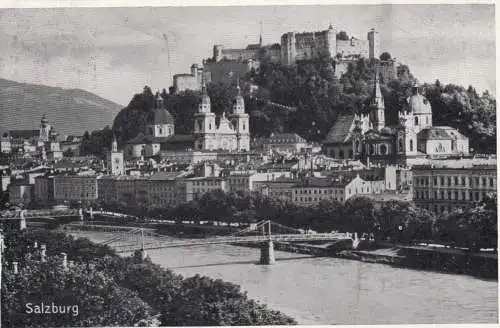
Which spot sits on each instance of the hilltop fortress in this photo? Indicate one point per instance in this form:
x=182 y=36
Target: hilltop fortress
x=307 y=45
x=227 y=64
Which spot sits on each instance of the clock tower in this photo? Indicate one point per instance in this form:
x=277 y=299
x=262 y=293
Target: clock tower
x=115 y=163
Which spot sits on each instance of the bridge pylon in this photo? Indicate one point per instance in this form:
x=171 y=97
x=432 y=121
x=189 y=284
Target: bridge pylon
x=267 y=248
x=22 y=221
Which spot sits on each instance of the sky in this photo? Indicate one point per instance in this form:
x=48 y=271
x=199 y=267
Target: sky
x=115 y=52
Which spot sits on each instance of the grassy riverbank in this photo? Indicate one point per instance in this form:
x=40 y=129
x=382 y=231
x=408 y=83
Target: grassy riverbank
x=113 y=290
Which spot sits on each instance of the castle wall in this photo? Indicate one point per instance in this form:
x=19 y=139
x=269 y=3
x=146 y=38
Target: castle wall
x=353 y=47
x=183 y=82
x=239 y=54
x=226 y=72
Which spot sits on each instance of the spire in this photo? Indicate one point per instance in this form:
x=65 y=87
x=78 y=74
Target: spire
x=238 y=86
x=377 y=105
x=204 y=106
x=239 y=105
x=330 y=27
x=260 y=37
x=159 y=100
x=203 y=85
x=114 y=144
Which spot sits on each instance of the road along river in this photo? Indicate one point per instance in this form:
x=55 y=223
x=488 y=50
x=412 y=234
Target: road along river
x=337 y=291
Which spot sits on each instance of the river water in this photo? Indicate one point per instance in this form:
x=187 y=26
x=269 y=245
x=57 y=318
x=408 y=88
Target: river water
x=325 y=291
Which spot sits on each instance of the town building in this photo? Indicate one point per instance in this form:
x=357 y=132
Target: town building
x=44 y=190
x=75 y=188
x=445 y=185
x=20 y=192
x=162 y=190
x=285 y=143
x=5 y=178
x=367 y=136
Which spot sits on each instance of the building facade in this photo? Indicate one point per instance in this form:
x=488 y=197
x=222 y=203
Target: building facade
x=444 y=186
x=368 y=138
x=309 y=45
x=75 y=188
x=230 y=134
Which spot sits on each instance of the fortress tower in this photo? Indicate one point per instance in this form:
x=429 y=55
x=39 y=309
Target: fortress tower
x=373 y=44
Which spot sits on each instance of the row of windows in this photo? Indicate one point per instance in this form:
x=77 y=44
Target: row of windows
x=202 y=183
x=320 y=191
x=315 y=199
x=456 y=181
x=341 y=154
x=451 y=195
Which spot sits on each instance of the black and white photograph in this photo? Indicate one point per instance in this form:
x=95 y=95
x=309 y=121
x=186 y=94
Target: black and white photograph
x=248 y=164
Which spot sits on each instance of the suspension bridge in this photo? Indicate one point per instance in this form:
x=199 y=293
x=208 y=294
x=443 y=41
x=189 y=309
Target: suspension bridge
x=48 y=214
x=265 y=233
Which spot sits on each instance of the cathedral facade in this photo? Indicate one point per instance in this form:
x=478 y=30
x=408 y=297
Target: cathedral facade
x=228 y=133
x=232 y=133
x=368 y=138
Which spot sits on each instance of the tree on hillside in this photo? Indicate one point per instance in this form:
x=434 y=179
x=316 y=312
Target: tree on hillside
x=385 y=56
x=342 y=35
x=98 y=300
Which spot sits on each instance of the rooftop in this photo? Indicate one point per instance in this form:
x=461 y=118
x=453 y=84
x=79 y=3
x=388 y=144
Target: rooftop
x=340 y=131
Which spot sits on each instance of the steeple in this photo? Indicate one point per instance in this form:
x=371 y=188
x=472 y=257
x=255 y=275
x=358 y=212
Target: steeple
x=114 y=145
x=205 y=105
x=377 y=105
x=158 y=101
x=260 y=36
x=239 y=105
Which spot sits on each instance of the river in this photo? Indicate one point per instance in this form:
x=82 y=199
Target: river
x=325 y=291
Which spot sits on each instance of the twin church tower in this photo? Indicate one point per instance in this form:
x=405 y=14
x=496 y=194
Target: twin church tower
x=232 y=133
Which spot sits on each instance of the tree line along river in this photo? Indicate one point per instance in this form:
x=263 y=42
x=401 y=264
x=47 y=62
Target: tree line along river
x=337 y=291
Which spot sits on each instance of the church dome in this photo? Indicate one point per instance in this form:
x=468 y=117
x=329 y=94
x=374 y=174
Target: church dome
x=418 y=104
x=161 y=116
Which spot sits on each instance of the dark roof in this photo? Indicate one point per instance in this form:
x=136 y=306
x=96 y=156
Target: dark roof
x=178 y=142
x=324 y=182
x=440 y=133
x=161 y=116
x=24 y=134
x=253 y=46
x=340 y=131
x=374 y=135
x=164 y=176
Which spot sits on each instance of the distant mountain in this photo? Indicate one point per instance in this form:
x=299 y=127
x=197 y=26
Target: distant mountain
x=70 y=111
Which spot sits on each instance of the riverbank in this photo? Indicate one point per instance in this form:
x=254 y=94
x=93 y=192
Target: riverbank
x=404 y=256
x=321 y=290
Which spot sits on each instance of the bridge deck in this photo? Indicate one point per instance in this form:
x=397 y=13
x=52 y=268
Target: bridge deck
x=230 y=240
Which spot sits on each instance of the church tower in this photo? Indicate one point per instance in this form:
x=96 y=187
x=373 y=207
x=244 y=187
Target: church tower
x=377 y=106
x=115 y=163
x=204 y=122
x=406 y=137
x=44 y=131
x=160 y=122
x=241 y=122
